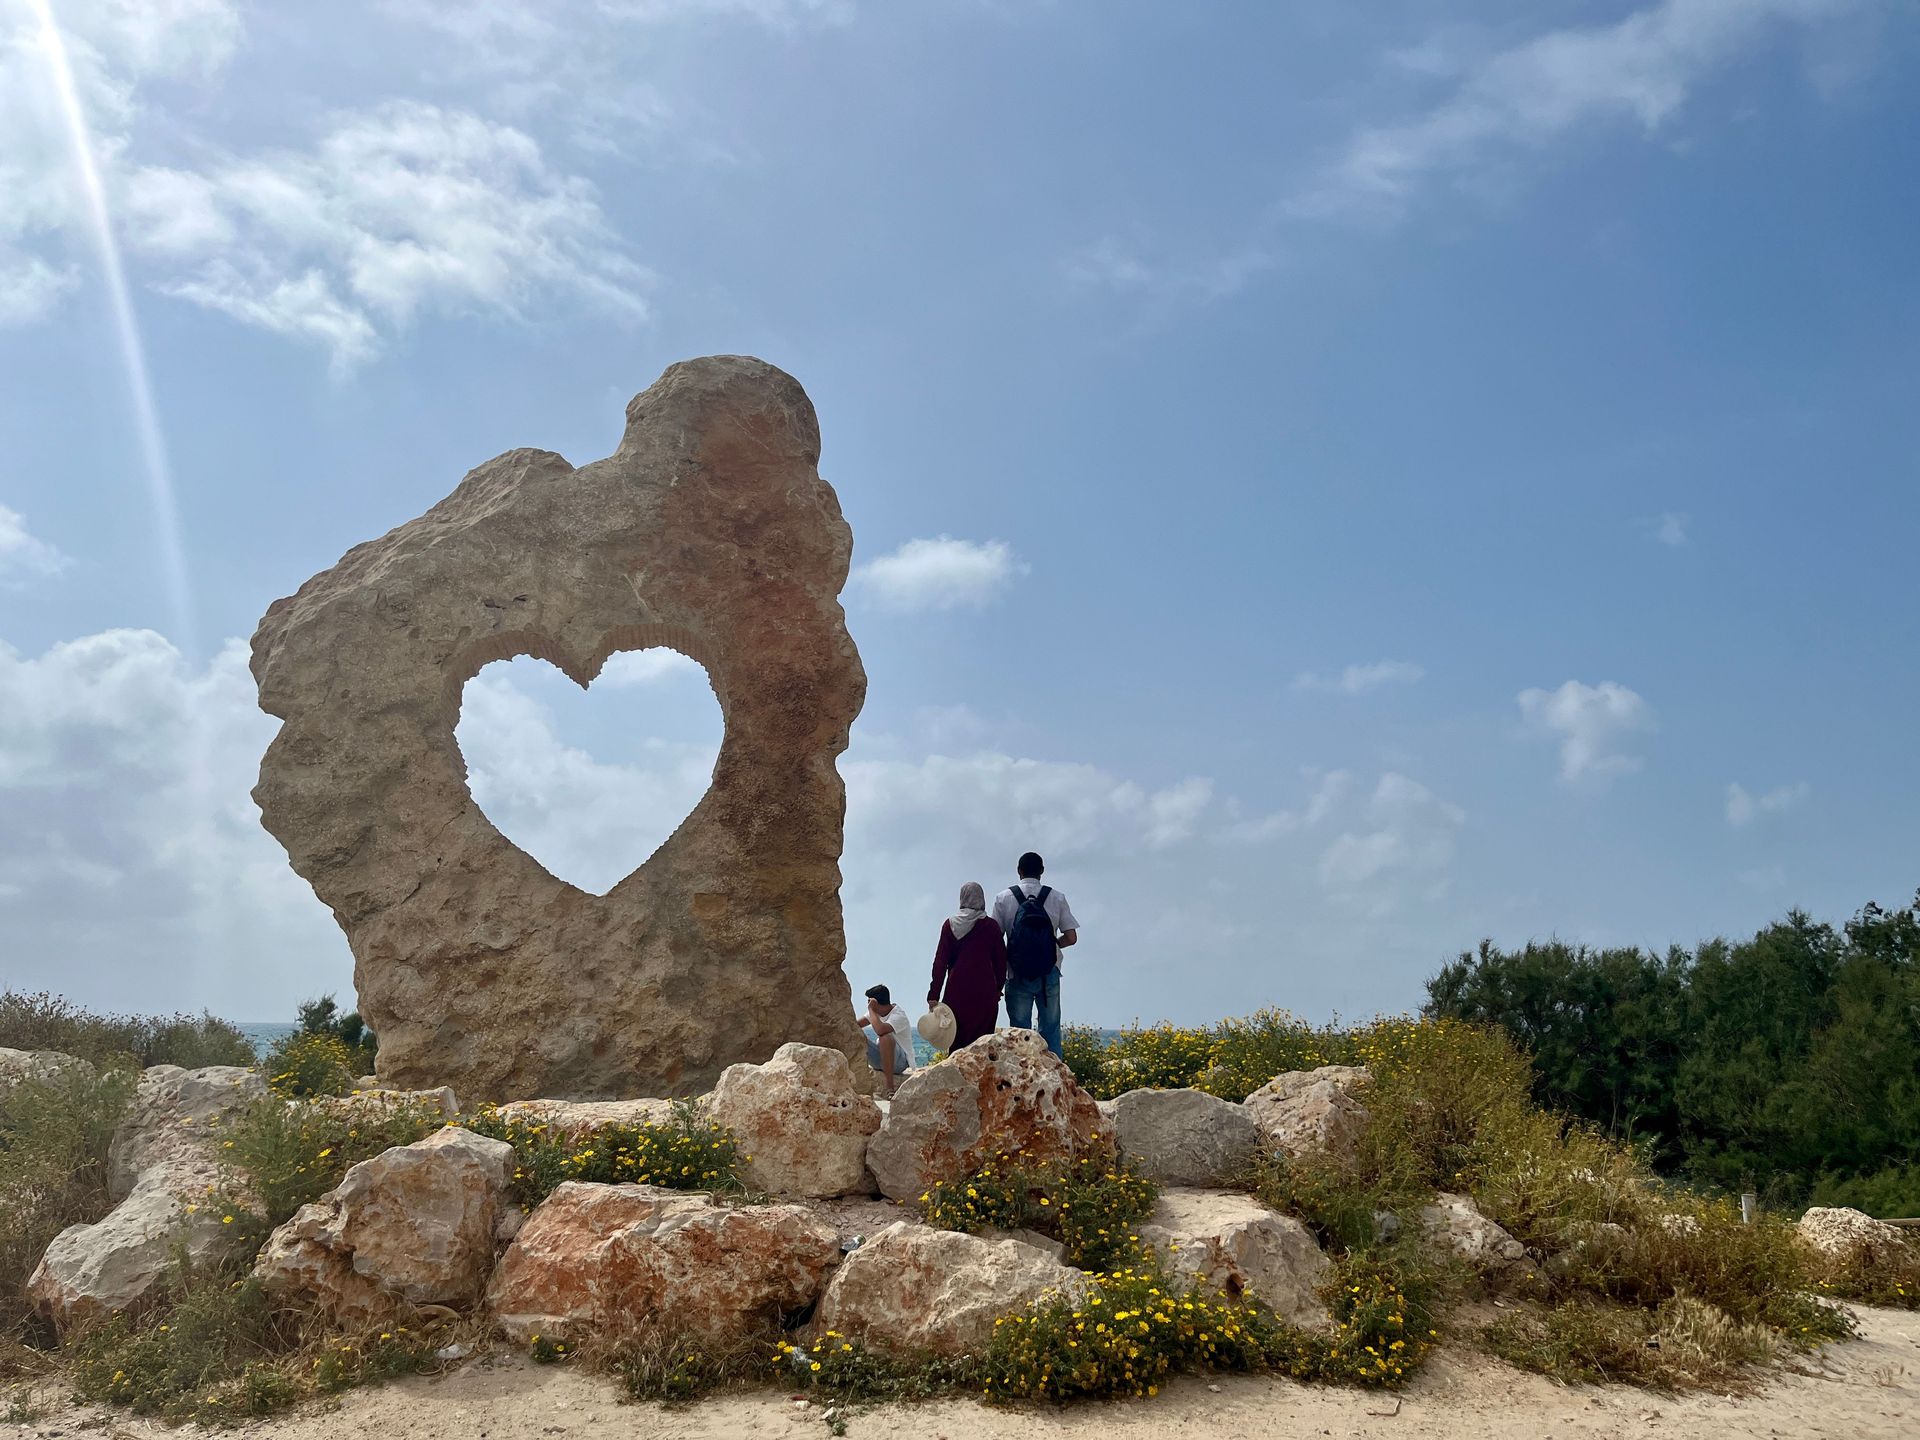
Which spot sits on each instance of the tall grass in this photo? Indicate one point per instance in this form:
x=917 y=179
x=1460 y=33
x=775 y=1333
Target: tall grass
x=40 y=1021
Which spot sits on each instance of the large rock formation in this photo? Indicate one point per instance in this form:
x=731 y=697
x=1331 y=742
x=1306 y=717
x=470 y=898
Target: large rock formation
x=1311 y=1112
x=1838 y=1237
x=709 y=531
x=915 y=1290
x=800 y=1120
x=1184 y=1137
x=414 y=1225
x=600 y=1257
x=162 y=1169
x=1004 y=1093
x=1231 y=1243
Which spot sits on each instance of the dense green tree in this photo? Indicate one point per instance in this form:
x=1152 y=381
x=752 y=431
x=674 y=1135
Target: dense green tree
x=1788 y=1063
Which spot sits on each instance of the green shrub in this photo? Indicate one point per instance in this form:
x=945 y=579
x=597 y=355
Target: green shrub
x=305 y=1063
x=1093 y=1205
x=54 y=1135
x=285 y=1154
x=323 y=1017
x=46 y=1022
x=1231 y=1059
x=846 y=1369
x=1888 y=1193
x=220 y=1351
x=686 y=1151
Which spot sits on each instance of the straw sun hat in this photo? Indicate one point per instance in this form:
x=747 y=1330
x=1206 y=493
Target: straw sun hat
x=938 y=1027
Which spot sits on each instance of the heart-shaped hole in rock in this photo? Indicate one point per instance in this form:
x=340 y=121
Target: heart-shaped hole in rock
x=590 y=782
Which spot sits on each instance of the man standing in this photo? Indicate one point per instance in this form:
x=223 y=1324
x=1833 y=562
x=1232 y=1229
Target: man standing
x=1039 y=926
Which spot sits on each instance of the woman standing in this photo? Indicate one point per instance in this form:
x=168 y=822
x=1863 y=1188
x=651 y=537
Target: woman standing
x=971 y=961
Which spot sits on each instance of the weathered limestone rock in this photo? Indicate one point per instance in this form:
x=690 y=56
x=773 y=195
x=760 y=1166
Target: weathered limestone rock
x=161 y=1168
x=915 y=1290
x=171 y=1121
x=1003 y=1093
x=1231 y=1243
x=1184 y=1137
x=594 y=1257
x=1311 y=1111
x=414 y=1225
x=577 y=1119
x=801 y=1120
x=709 y=531
x=94 y=1270
x=1454 y=1223
x=19 y=1067
x=1838 y=1235
x=377 y=1102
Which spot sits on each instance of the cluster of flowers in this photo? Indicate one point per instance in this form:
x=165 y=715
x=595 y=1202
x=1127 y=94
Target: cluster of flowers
x=1092 y=1204
x=684 y=1152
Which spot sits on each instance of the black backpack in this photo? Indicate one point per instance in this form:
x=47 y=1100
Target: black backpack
x=1030 y=947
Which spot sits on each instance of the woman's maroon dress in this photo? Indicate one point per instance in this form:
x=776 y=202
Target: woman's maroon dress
x=974 y=969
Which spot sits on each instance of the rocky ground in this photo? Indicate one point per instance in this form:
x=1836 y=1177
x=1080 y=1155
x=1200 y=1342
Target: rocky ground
x=1863 y=1390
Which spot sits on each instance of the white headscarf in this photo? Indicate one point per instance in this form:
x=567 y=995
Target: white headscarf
x=973 y=904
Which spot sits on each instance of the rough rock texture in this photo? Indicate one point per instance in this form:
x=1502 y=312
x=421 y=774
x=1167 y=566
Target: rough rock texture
x=1310 y=1111
x=914 y=1290
x=17 y=1067
x=1839 y=1235
x=708 y=531
x=93 y=1270
x=376 y=1101
x=413 y=1225
x=1184 y=1137
x=1005 y=1092
x=1231 y=1243
x=576 y=1119
x=171 y=1121
x=801 y=1120
x=1454 y=1223
x=594 y=1257
x=161 y=1167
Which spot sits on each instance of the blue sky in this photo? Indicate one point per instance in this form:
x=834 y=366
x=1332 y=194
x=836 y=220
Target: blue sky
x=1342 y=481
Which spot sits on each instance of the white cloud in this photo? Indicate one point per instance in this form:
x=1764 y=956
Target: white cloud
x=22 y=556
x=1591 y=722
x=116 y=50
x=940 y=574
x=402 y=209
x=1405 y=844
x=133 y=869
x=1743 y=808
x=1330 y=791
x=1670 y=528
x=1358 y=679
x=1109 y=264
x=1637 y=71
x=643 y=667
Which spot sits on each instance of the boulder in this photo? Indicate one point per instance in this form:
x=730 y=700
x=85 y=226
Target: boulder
x=19 y=1067
x=378 y=1102
x=599 y=1257
x=1840 y=1236
x=709 y=532
x=172 y=1120
x=914 y=1290
x=1184 y=1137
x=1004 y=1093
x=800 y=1119
x=1311 y=1112
x=574 y=1120
x=90 y=1271
x=162 y=1169
x=1454 y=1224
x=414 y=1225
x=1231 y=1243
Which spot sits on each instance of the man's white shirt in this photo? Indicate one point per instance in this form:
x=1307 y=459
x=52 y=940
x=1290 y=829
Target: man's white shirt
x=1006 y=907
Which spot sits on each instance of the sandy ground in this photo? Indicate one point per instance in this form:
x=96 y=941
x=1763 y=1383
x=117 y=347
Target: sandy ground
x=1859 y=1391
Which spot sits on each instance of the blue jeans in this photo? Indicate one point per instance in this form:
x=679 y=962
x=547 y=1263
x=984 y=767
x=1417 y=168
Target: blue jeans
x=1021 y=997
